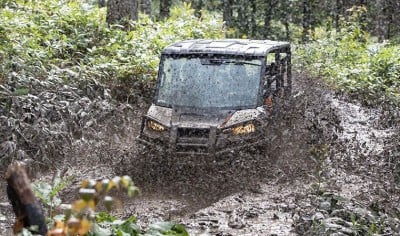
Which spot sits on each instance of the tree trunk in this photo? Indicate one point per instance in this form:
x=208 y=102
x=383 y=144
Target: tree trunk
x=338 y=13
x=306 y=19
x=253 y=22
x=102 y=3
x=164 y=8
x=381 y=27
x=118 y=10
x=227 y=13
x=243 y=24
x=145 y=7
x=197 y=5
x=395 y=19
x=392 y=18
x=268 y=15
x=27 y=209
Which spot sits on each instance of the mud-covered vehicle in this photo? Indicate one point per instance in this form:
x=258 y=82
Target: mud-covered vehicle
x=216 y=96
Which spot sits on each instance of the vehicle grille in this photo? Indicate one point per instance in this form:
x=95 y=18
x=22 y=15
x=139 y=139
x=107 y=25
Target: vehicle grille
x=193 y=133
x=192 y=140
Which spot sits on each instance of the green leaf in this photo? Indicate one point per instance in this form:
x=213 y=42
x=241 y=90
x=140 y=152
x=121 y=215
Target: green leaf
x=167 y=228
x=99 y=231
x=104 y=217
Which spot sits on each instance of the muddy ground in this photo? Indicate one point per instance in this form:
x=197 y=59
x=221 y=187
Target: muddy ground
x=331 y=167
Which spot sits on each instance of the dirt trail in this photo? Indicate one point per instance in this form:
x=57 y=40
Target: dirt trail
x=331 y=167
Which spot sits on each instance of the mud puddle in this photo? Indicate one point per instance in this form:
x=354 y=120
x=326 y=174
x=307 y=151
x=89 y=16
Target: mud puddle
x=268 y=212
x=224 y=204
x=361 y=146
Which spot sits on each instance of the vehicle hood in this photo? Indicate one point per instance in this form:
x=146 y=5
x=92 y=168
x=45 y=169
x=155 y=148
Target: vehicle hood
x=198 y=118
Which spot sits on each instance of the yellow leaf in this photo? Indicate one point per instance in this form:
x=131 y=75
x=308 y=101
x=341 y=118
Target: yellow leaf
x=59 y=224
x=88 y=183
x=99 y=187
x=110 y=185
x=79 y=205
x=87 y=193
x=84 y=227
x=126 y=181
x=132 y=191
x=105 y=183
x=85 y=183
x=117 y=181
x=92 y=204
x=73 y=226
x=56 y=232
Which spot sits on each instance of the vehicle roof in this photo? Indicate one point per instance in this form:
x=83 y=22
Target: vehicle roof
x=242 y=47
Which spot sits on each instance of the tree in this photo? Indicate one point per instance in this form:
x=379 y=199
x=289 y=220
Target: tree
x=381 y=19
x=264 y=19
x=118 y=10
x=197 y=5
x=164 y=8
x=393 y=18
x=227 y=12
x=145 y=7
x=268 y=16
x=253 y=20
x=102 y=3
x=338 y=13
x=306 y=19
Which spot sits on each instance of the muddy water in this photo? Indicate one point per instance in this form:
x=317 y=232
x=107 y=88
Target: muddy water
x=267 y=212
x=362 y=140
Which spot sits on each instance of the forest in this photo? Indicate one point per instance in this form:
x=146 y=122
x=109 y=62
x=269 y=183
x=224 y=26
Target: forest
x=76 y=76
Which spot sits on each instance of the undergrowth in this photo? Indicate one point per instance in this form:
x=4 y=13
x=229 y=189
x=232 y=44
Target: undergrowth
x=352 y=61
x=71 y=40
x=82 y=217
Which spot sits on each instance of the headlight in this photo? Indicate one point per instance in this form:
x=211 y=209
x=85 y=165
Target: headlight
x=155 y=126
x=244 y=129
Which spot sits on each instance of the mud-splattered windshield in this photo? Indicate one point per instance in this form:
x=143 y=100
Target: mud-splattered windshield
x=209 y=82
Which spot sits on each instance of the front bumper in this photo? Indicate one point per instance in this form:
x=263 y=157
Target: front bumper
x=192 y=141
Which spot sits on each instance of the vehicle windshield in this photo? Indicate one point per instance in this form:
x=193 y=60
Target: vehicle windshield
x=209 y=82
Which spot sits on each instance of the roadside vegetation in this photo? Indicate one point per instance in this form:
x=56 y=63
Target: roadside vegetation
x=353 y=61
x=70 y=40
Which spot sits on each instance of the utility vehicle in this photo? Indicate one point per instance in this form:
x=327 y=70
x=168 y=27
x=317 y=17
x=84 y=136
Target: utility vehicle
x=216 y=96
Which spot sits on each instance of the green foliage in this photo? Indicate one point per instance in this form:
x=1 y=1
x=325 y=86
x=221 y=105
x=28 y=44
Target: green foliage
x=81 y=218
x=351 y=61
x=48 y=194
x=166 y=228
x=109 y=225
x=69 y=39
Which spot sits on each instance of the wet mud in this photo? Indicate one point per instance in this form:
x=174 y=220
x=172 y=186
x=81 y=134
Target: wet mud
x=331 y=165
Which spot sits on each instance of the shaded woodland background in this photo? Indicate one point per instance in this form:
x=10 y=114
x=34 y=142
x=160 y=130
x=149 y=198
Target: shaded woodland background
x=273 y=19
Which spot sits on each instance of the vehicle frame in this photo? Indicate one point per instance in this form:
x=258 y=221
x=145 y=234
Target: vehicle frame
x=214 y=131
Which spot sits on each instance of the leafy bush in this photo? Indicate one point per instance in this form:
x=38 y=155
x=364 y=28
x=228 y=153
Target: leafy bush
x=351 y=60
x=71 y=40
x=82 y=218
